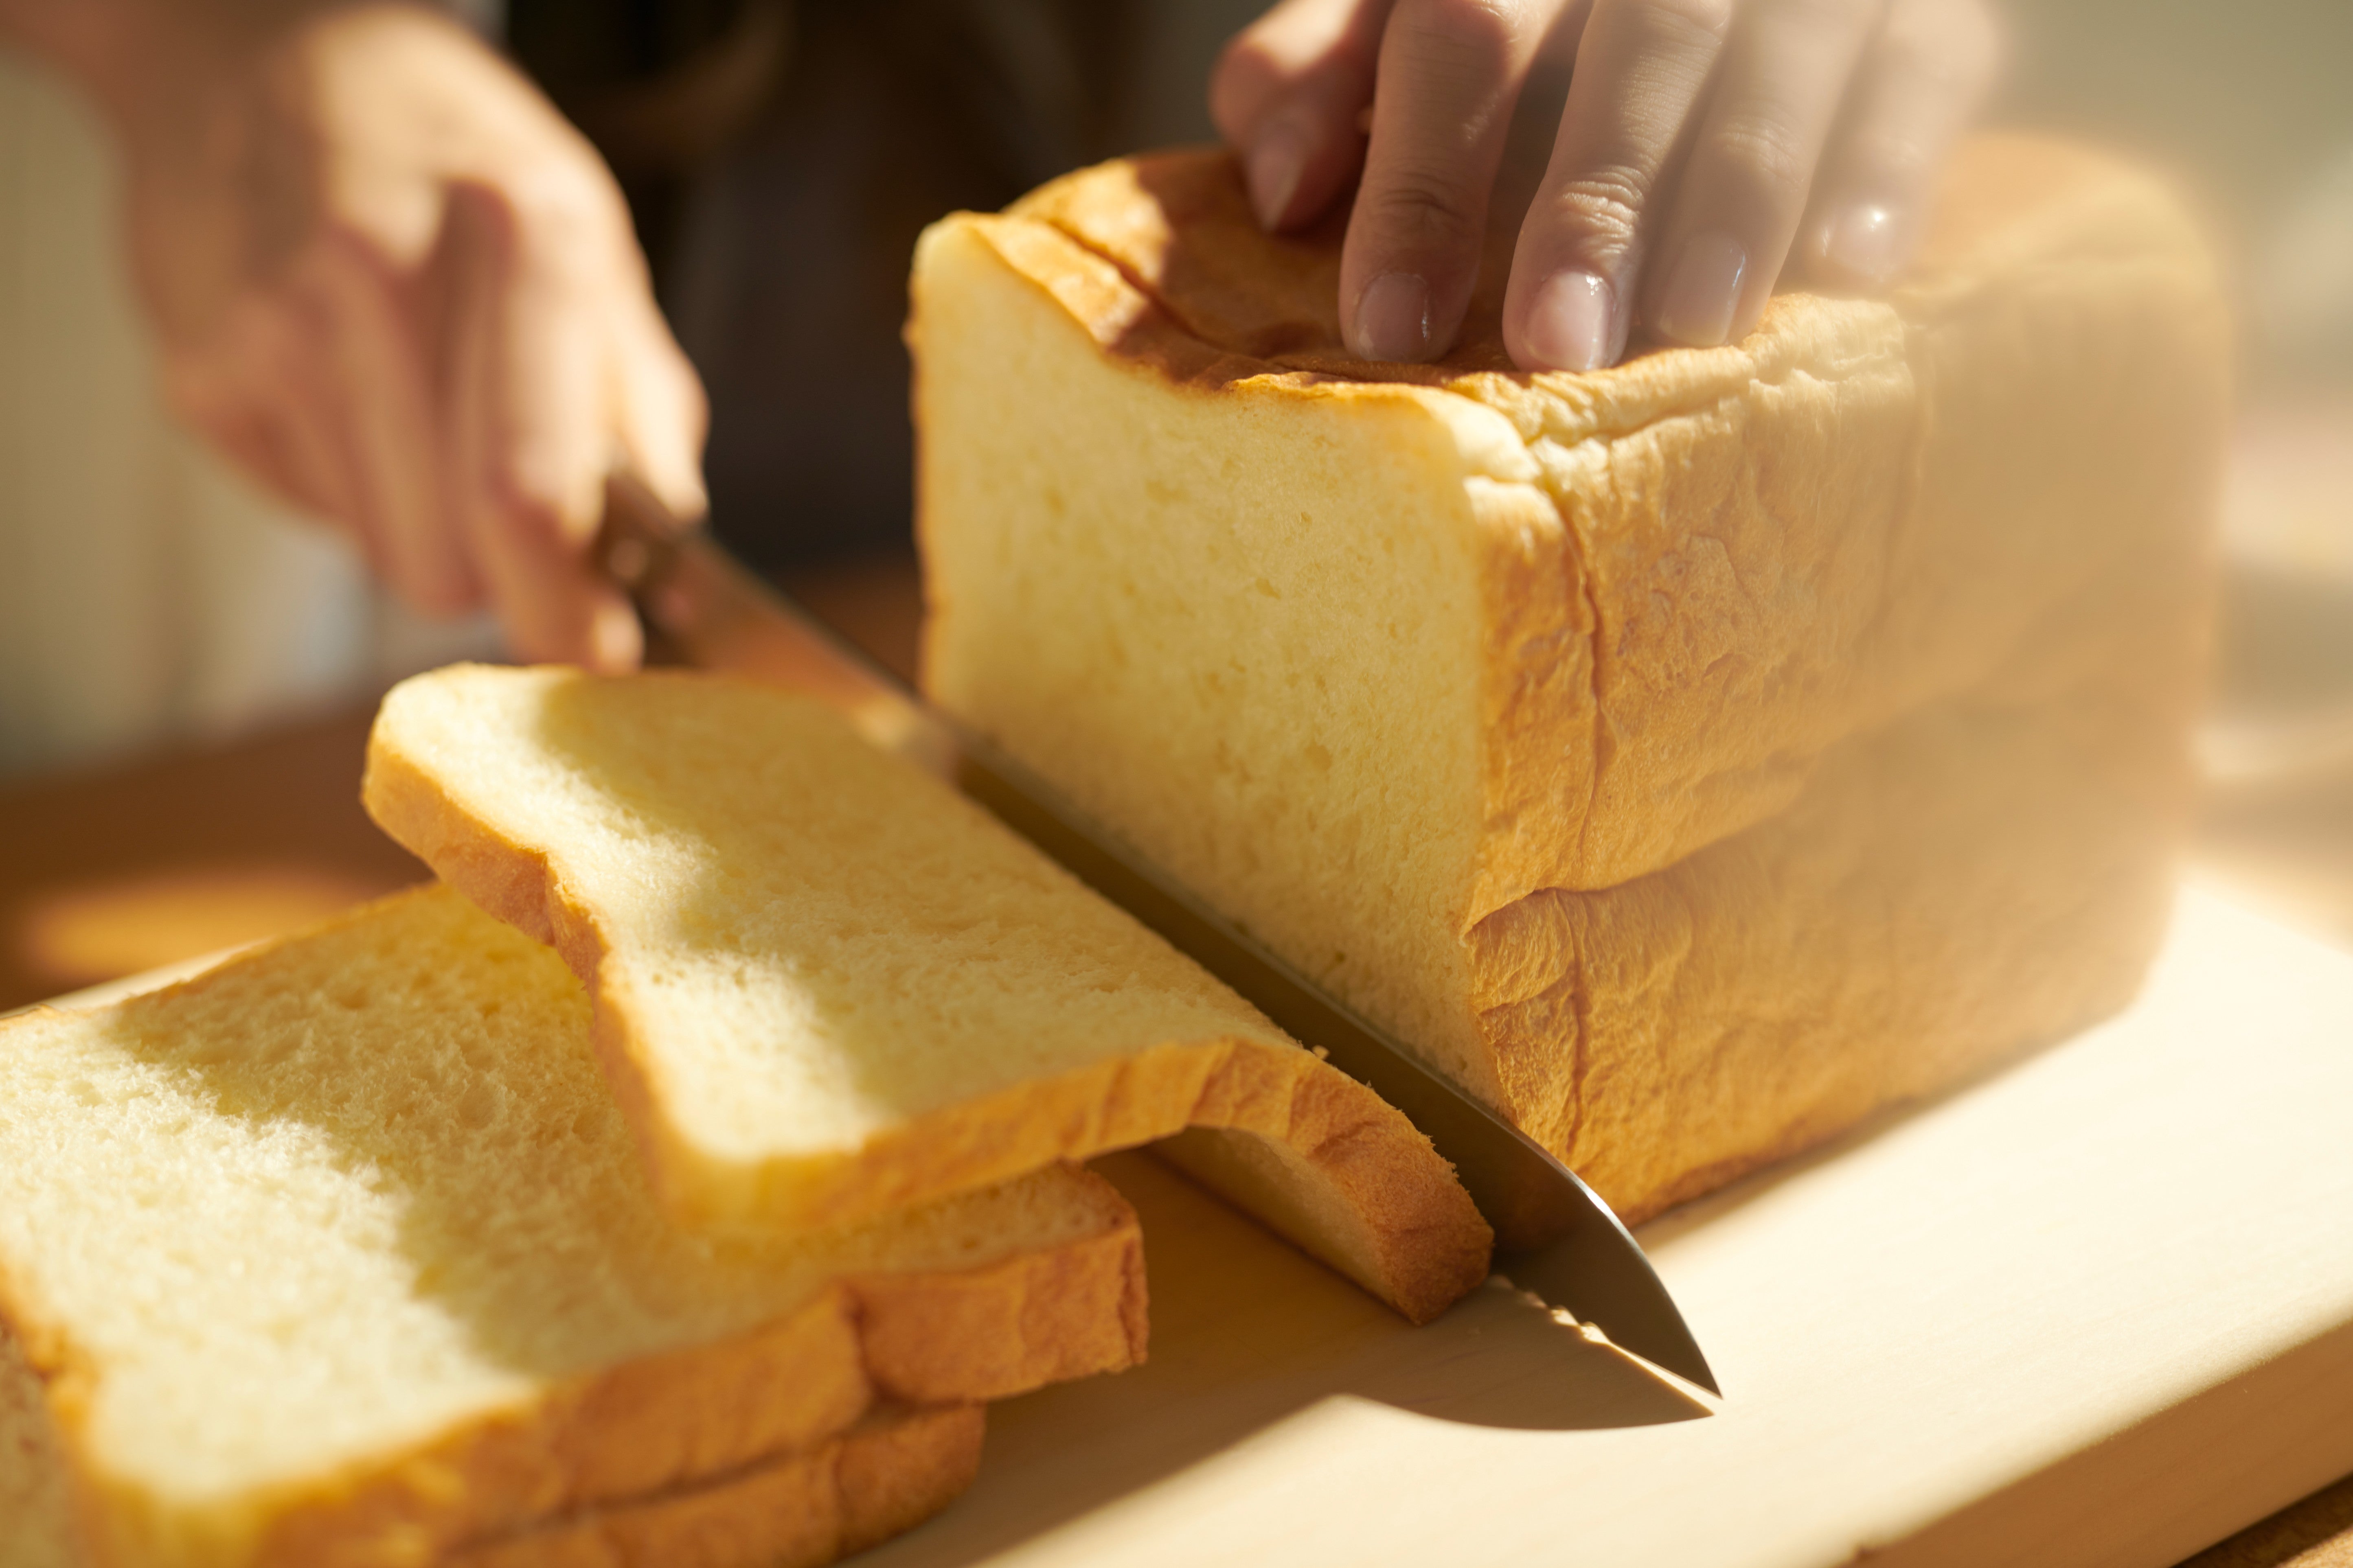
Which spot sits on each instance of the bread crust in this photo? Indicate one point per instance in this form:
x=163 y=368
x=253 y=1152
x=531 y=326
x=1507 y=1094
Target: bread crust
x=935 y=1338
x=662 y=1423
x=1650 y=690
x=1429 y=1245
x=884 y=1476
x=1945 y=895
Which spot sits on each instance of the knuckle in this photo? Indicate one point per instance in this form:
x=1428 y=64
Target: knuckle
x=1469 y=36
x=1419 y=206
x=1889 y=159
x=1950 y=49
x=1920 y=60
x=1980 y=43
x=1601 y=208
x=1827 y=15
x=1705 y=21
x=565 y=207
x=1759 y=148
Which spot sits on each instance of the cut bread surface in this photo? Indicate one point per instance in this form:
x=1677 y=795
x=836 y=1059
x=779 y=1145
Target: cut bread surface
x=342 y=1249
x=1374 y=658
x=827 y=984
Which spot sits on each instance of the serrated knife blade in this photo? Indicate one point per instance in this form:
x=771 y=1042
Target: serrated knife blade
x=1555 y=1237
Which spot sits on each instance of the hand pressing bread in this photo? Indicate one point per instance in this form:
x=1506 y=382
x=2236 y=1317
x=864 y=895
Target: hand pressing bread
x=1705 y=144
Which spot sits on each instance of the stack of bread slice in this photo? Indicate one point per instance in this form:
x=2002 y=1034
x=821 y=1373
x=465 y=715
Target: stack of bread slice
x=396 y=1242
x=1691 y=758
x=340 y=1253
x=827 y=984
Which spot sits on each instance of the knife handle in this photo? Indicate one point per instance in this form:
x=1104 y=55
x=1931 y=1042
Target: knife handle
x=639 y=538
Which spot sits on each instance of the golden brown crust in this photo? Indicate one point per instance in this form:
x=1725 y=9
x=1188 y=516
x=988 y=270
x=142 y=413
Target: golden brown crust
x=986 y=1333
x=1973 y=882
x=667 y=1421
x=1541 y=660
x=990 y=1333
x=38 y=1528
x=1436 y=1245
x=657 y=1424
x=1718 y=662
x=939 y=1338
x=884 y=1476
x=897 y=1478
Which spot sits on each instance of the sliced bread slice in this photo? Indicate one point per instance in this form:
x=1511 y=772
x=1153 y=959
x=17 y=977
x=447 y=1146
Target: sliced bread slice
x=827 y=984
x=341 y=1253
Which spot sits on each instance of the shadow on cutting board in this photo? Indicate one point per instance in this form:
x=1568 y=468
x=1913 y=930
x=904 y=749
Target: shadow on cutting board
x=1246 y=1331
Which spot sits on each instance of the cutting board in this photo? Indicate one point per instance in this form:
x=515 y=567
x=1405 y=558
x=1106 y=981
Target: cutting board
x=2096 y=1309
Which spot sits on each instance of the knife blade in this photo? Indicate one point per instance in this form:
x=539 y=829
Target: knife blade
x=1555 y=1237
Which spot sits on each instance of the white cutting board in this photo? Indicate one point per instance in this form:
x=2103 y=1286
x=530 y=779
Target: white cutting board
x=2097 y=1310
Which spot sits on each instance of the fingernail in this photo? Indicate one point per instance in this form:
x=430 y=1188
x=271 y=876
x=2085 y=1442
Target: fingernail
x=1864 y=242
x=1393 y=318
x=1274 y=167
x=1569 y=321
x=1703 y=291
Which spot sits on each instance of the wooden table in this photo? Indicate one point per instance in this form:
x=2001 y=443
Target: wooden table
x=140 y=866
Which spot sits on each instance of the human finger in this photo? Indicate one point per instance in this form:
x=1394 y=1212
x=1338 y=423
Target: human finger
x=1643 y=66
x=1450 y=72
x=1289 y=95
x=250 y=393
x=383 y=386
x=295 y=383
x=1743 y=188
x=1920 y=81
x=526 y=415
x=662 y=424
x=663 y=412
x=248 y=438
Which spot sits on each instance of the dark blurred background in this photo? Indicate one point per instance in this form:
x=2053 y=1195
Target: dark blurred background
x=782 y=155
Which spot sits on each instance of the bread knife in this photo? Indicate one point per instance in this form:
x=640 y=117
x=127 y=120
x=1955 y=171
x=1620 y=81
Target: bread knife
x=1554 y=1237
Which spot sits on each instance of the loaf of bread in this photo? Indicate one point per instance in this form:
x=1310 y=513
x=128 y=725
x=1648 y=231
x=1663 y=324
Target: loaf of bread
x=1370 y=655
x=341 y=1253
x=827 y=984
